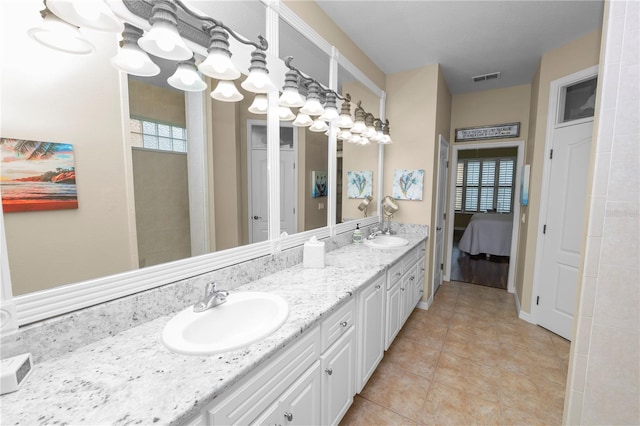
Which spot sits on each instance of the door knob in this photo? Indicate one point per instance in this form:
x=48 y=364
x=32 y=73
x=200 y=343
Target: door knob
x=438 y=228
x=288 y=416
x=329 y=371
x=257 y=217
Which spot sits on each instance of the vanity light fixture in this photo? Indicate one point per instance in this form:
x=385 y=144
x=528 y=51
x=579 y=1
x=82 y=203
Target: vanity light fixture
x=344 y=120
x=386 y=136
x=260 y=104
x=370 y=133
x=163 y=39
x=58 y=34
x=290 y=97
x=94 y=14
x=285 y=114
x=258 y=81
x=344 y=135
x=359 y=126
x=226 y=91
x=130 y=58
x=330 y=109
x=187 y=78
x=302 y=120
x=312 y=106
x=218 y=63
x=319 y=125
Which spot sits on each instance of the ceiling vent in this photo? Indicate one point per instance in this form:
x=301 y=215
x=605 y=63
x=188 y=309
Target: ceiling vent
x=490 y=76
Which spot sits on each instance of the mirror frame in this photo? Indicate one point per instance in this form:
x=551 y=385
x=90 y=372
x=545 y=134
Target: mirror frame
x=29 y=308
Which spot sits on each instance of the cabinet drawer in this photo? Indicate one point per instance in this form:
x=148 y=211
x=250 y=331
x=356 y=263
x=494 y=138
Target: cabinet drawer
x=394 y=274
x=409 y=259
x=420 y=268
x=337 y=324
x=244 y=402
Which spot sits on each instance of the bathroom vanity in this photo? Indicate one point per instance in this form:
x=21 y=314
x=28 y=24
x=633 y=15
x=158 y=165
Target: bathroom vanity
x=341 y=319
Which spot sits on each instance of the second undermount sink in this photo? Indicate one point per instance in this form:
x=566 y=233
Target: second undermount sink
x=386 y=242
x=245 y=318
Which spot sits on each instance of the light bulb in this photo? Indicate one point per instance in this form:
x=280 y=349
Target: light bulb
x=226 y=91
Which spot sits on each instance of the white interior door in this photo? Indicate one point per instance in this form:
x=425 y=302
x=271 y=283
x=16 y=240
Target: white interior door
x=562 y=229
x=259 y=208
x=441 y=203
x=288 y=179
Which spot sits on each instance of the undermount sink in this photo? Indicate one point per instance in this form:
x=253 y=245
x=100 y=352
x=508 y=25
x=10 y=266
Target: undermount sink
x=386 y=241
x=245 y=318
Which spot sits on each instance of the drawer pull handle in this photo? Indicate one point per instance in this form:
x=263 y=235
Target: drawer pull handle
x=412 y=278
x=397 y=274
x=288 y=416
x=329 y=371
x=401 y=288
x=344 y=323
x=378 y=287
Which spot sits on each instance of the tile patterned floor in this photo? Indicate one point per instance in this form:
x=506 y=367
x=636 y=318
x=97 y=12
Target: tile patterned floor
x=467 y=360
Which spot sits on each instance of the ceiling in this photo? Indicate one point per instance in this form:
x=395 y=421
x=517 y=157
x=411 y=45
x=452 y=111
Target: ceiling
x=467 y=38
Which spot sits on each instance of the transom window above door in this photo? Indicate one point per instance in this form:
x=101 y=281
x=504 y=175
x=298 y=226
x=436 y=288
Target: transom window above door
x=485 y=185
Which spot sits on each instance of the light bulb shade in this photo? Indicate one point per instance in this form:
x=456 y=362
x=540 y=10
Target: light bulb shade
x=329 y=114
x=60 y=35
x=358 y=127
x=302 y=120
x=94 y=14
x=226 y=91
x=319 y=126
x=218 y=63
x=133 y=60
x=291 y=98
x=258 y=80
x=345 y=121
x=344 y=135
x=130 y=58
x=260 y=104
x=187 y=78
x=163 y=39
x=364 y=141
x=290 y=95
x=312 y=106
x=355 y=138
x=285 y=114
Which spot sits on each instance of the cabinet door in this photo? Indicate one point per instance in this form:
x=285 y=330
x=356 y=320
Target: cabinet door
x=370 y=331
x=338 y=378
x=301 y=403
x=394 y=313
x=409 y=293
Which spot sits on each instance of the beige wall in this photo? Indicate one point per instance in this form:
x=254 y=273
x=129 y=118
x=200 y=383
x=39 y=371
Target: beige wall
x=572 y=57
x=51 y=96
x=604 y=370
x=417 y=104
x=323 y=25
x=315 y=159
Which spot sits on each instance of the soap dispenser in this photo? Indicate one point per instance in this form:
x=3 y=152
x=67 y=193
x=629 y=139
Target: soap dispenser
x=357 y=235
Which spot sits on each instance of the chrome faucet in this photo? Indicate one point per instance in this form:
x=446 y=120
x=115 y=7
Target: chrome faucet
x=374 y=232
x=212 y=297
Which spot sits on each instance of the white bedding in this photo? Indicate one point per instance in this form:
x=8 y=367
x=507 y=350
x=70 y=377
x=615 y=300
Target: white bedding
x=488 y=233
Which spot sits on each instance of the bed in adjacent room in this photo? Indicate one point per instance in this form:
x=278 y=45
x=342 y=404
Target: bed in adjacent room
x=488 y=233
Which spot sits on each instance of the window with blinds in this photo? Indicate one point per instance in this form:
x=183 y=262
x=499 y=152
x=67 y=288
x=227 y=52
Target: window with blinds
x=485 y=185
x=158 y=136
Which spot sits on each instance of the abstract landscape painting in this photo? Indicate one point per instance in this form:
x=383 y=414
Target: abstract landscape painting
x=37 y=176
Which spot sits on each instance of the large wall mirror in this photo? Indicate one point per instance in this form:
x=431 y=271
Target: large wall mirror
x=140 y=223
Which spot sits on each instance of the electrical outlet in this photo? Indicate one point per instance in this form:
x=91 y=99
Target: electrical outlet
x=320 y=206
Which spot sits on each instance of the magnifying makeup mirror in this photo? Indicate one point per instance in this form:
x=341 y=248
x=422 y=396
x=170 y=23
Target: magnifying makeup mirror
x=365 y=204
x=389 y=207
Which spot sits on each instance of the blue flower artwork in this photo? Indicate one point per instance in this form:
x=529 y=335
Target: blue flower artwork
x=359 y=184
x=408 y=184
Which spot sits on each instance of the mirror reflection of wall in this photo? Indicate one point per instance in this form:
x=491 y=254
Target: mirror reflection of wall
x=312 y=150
x=357 y=158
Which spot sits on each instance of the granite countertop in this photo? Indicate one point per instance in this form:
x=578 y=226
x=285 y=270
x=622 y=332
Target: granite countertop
x=132 y=378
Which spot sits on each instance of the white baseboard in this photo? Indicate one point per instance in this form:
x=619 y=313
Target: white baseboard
x=425 y=305
x=521 y=314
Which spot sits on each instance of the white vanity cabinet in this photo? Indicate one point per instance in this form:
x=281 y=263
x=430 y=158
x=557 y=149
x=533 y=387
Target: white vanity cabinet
x=337 y=363
x=371 y=330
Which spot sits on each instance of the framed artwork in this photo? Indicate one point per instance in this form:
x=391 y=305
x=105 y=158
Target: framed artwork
x=524 y=189
x=319 y=184
x=359 y=184
x=37 y=176
x=496 y=131
x=408 y=184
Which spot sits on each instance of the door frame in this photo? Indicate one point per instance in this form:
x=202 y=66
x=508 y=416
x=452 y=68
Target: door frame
x=441 y=141
x=453 y=160
x=552 y=123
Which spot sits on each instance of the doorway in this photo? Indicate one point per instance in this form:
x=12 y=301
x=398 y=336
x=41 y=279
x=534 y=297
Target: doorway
x=485 y=208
